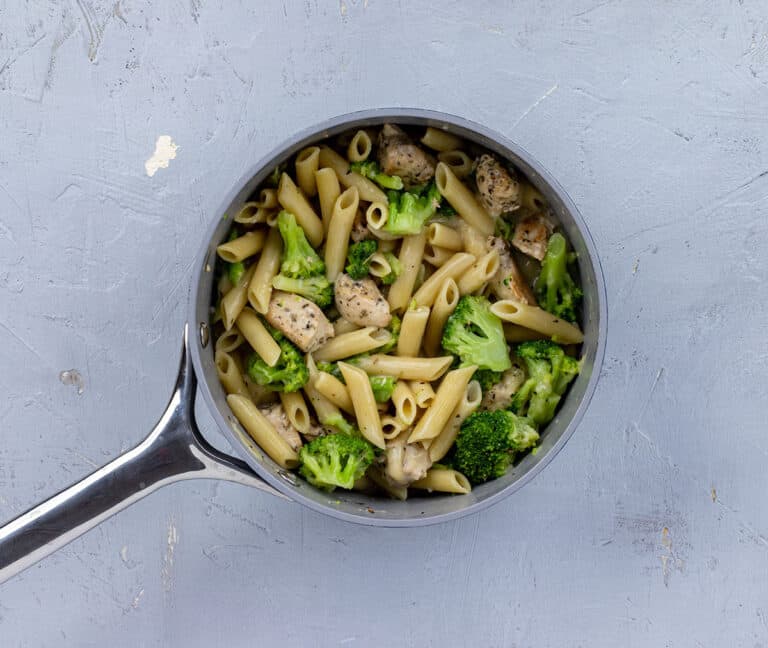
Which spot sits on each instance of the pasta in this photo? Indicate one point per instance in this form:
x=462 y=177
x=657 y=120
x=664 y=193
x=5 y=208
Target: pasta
x=395 y=325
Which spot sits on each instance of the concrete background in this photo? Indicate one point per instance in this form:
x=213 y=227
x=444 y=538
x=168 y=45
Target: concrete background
x=651 y=527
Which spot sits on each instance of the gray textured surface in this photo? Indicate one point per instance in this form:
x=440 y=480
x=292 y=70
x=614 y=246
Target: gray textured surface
x=649 y=529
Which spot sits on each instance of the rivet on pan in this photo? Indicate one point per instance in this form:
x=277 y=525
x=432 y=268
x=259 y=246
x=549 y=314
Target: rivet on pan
x=288 y=477
x=205 y=334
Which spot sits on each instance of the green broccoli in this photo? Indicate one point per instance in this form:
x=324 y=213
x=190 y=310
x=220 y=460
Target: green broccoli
x=487 y=442
x=289 y=374
x=369 y=169
x=394 y=329
x=359 y=258
x=487 y=378
x=382 y=386
x=340 y=424
x=235 y=271
x=396 y=269
x=317 y=289
x=556 y=291
x=408 y=211
x=299 y=258
x=550 y=371
x=335 y=460
x=476 y=335
x=331 y=368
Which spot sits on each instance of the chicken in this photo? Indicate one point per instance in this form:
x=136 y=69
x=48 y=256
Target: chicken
x=500 y=395
x=299 y=319
x=405 y=462
x=508 y=282
x=499 y=189
x=359 y=228
x=360 y=302
x=532 y=234
x=276 y=415
x=399 y=156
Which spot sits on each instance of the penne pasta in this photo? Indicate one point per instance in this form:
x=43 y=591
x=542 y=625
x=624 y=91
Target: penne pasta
x=333 y=390
x=423 y=393
x=437 y=256
x=229 y=341
x=439 y=413
x=391 y=427
x=368 y=190
x=328 y=190
x=242 y=247
x=531 y=199
x=427 y=369
x=251 y=213
x=411 y=253
x=342 y=217
x=262 y=431
x=412 y=331
x=458 y=162
x=470 y=400
x=440 y=235
x=462 y=200
x=360 y=147
x=376 y=215
x=517 y=333
x=260 y=285
x=537 y=319
x=296 y=410
x=443 y=480
x=440 y=140
x=405 y=404
x=364 y=403
x=293 y=200
x=479 y=273
x=341 y=326
x=353 y=343
x=379 y=265
x=453 y=268
x=229 y=374
x=251 y=328
x=235 y=300
x=445 y=303
x=268 y=199
x=307 y=163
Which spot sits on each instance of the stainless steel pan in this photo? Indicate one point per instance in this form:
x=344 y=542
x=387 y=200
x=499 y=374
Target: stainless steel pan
x=175 y=449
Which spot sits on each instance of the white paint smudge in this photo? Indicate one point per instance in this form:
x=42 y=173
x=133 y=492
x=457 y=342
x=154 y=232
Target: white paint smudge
x=343 y=7
x=73 y=377
x=165 y=151
x=137 y=598
x=124 y=554
x=172 y=540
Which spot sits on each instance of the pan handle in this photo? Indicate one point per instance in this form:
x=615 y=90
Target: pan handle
x=174 y=450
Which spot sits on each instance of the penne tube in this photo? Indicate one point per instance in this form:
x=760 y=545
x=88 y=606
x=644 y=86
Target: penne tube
x=437 y=256
x=462 y=199
x=251 y=213
x=440 y=140
x=328 y=190
x=268 y=199
x=262 y=431
x=353 y=343
x=379 y=266
x=411 y=253
x=440 y=235
x=293 y=200
x=327 y=413
x=479 y=273
x=391 y=427
x=376 y=215
x=341 y=326
x=531 y=199
x=470 y=400
x=439 y=413
x=364 y=403
x=368 y=190
x=334 y=390
x=427 y=369
x=260 y=285
x=249 y=324
x=229 y=341
x=445 y=303
x=242 y=247
x=458 y=161
x=517 y=333
x=423 y=393
x=307 y=163
x=342 y=217
x=474 y=241
x=404 y=403
x=229 y=374
x=443 y=480
x=296 y=410
x=412 y=331
x=233 y=302
x=360 y=147
x=537 y=319
x=453 y=268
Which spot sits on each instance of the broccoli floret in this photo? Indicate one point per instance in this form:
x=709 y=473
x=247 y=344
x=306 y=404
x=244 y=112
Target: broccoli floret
x=340 y=424
x=487 y=378
x=359 y=258
x=235 y=271
x=335 y=460
x=504 y=229
x=550 y=371
x=317 y=289
x=556 y=291
x=476 y=335
x=299 y=258
x=289 y=374
x=369 y=169
x=408 y=211
x=394 y=329
x=487 y=442
x=331 y=368
x=382 y=386
x=396 y=269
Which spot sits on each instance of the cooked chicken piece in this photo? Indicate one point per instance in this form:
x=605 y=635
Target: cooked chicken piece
x=531 y=235
x=508 y=282
x=315 y=430
x=276 y=415
x=500 y=395
x=299 y=319
x=360 y=302
x=359 y=228
x=399 y=156
x=406 y=462
x=499 y=189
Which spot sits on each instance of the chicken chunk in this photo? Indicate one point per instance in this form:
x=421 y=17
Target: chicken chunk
x=532 y=234
x=276 y=415
x=508 y=282
x=399 y=156
x=499 y=189
x=500 y=395
x=359 y=229
x=361 y=302
x=299 y=319
x=405 y=462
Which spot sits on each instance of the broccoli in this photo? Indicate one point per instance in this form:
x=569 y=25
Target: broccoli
x=476 y=335
x=359 y=258
x=299 y=258
x=369 y=169
x=340 y=424
x=394 y=264
x=235 y=271
x=487 y=378
x=382 y=386
x=487 y=442
x=289 y=374
x=317 y=289
x=550 y=371
x=331 y=368
x=335 y=460
x=394 y=329
x=408 y=211
x=556 y=291
x=446 y=210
